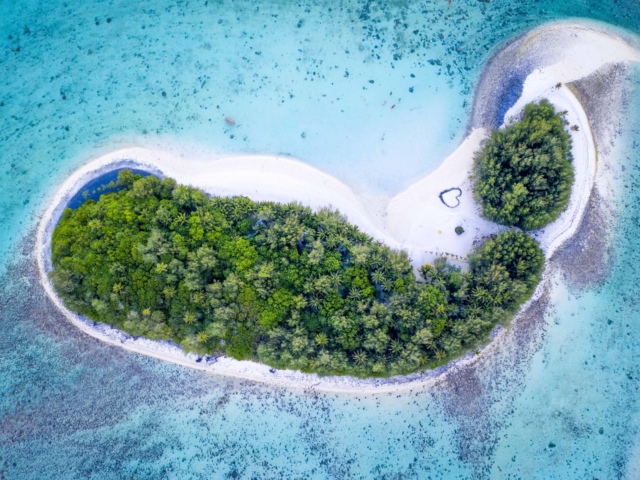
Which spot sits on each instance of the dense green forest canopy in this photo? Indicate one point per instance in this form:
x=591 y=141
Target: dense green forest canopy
x=278 y=283
x=523 y=174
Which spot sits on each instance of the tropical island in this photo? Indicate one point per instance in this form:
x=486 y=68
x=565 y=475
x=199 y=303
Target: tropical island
x=297 y=289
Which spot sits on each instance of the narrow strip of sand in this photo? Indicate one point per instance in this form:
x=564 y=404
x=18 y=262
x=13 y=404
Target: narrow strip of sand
x=416 y=219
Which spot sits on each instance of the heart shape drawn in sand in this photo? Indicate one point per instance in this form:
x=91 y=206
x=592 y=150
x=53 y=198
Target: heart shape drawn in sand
x=448 y=197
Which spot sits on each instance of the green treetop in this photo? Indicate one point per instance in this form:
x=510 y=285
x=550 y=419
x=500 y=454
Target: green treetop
x=278 y=283
x=523 y=174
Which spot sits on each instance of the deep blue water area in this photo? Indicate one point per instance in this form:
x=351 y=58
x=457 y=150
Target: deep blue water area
x=106 y=183
x=80 y=79
x=511 y=94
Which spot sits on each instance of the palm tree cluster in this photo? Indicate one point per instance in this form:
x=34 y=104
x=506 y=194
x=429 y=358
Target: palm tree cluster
x=278 y=283
x=523 y=175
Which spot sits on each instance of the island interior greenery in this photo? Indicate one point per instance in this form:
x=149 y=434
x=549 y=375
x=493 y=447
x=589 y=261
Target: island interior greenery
x=524 y=174
x=278 y=283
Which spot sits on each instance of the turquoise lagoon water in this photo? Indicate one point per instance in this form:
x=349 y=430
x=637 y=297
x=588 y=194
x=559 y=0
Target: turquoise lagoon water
x=82 y=78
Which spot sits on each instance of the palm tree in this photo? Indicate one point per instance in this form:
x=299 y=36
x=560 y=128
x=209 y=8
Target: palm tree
x=423 y=360
x=332 y=240
x=480 y=293
x=377 y=277
x=362 y=306
x=300 y=302
x=237 y=214
x=315 y=303
x=169 y=292
x=190 y=318
x=399 y=260
x=202 y=337
x=495 y=300
x=198 y=298
x=474 y=310
x=360 y=357
x=181 y=218
x=396 y=347
x=440 y=284
x=355 y=294
x=375 y=261
x=322 y=339
x=117 y=287
x=336 y=279
x=323 y=284
x=323 y=234
x=467 y=277
x=308 y=287
x=206 y=219
x=309 y=235
x=94 y=224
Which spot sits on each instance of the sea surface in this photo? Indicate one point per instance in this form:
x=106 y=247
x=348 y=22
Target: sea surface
x=316 y=81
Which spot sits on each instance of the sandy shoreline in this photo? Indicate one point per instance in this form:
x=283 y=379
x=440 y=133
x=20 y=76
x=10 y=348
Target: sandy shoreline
x=415 y=220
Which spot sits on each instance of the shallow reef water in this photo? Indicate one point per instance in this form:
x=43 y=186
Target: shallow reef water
x=82 y=78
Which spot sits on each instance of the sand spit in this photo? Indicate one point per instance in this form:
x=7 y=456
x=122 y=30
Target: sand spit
x=564 y=51
x=587 y=258
x=416 y=219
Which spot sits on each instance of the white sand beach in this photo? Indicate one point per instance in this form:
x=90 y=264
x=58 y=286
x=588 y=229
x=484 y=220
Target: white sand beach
x=415 y=220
